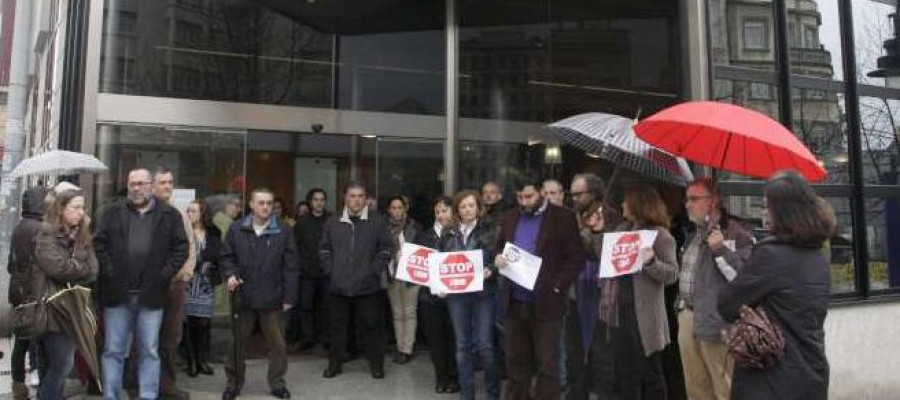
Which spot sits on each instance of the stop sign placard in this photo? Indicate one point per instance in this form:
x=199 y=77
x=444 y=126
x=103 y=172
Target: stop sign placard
x=620 y=254
x=625 y=252
x=417 y=266
x=457 y=272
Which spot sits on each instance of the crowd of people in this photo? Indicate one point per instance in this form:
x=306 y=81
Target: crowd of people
x=323 y=279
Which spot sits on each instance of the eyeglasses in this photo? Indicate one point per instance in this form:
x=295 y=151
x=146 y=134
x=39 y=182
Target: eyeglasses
x=692 y=199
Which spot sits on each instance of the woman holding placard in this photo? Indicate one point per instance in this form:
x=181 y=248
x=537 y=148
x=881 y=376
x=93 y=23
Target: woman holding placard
x=472 y=314
x=404 y=296
x=436 y=321
x=632 y=307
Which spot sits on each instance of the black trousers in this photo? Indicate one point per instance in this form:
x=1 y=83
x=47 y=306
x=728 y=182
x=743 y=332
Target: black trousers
x=20 y=350
x=309 y=321
x=439 y=333
x=637 y=377
x=370 y=311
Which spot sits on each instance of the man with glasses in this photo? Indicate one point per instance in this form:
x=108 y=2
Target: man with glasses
x=711 y=258
x=140 y=245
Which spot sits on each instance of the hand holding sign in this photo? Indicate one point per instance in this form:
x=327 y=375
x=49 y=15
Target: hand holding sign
x=626 y=252
x=456 y=272
x=413 y=264
x=520 y=266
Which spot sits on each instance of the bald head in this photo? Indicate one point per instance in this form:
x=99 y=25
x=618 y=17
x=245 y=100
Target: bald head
x=553 y=191
x=491 y=193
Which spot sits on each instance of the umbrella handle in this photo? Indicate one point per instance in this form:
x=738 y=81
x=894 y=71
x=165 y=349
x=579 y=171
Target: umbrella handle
x=609 y=185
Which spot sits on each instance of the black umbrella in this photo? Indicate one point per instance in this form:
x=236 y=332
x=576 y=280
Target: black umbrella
x=612 y=138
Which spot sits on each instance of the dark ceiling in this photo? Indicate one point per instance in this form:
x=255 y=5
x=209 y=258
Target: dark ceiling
x=350 y=17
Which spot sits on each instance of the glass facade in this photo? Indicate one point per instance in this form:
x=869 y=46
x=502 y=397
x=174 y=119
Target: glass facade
x=746 y=72
x=376 y=75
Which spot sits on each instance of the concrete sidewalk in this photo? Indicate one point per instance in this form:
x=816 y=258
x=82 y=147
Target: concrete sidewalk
x=413 y=381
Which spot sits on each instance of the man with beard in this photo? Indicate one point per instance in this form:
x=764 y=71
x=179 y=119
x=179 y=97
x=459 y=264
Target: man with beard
x=140 y=245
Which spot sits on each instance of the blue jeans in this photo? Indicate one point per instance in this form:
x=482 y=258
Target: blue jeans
x=59 y=353
x=472 y=315
x=119 y=324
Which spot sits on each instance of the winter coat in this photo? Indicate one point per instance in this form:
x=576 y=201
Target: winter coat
x=266 y=263
x=57 y=263
x=308 y=235
x=483 y=237
x=355 y=255
x=563 y=259
x=23 y=239
x=792 y=284
x=168 y=252
x=709 y=280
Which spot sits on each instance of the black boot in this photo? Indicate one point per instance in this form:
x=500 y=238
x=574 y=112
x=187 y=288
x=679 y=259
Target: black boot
x=203 y=350
x=191 y=343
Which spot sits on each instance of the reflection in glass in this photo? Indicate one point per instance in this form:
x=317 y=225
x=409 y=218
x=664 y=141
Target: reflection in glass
x=242 y=50
x=210 y=162
x=838 y=250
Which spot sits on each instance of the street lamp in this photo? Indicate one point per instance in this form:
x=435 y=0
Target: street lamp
x=889 y=65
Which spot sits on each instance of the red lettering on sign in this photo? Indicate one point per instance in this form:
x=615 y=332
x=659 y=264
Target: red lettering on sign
x=417 y=266
x=457 y=272
x=625 y=252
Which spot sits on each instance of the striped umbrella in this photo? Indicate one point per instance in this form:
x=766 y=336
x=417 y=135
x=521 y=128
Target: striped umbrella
x=59 y=162
x=612 y=138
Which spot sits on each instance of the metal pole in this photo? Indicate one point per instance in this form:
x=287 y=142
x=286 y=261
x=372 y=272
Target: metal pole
x=451 y=144
x=15 y=136
x=783 y=64
x=854 y=150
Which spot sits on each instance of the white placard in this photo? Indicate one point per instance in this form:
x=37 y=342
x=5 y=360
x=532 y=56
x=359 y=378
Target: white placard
x=621 y=252
x=412 y=266
x=456 y=272
x=522 y=267
x=181 y=198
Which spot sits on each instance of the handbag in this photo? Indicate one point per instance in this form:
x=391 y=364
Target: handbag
x=755 y=340
x=29 y=320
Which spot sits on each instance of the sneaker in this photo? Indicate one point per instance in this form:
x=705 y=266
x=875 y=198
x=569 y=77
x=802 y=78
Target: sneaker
x=282 y=393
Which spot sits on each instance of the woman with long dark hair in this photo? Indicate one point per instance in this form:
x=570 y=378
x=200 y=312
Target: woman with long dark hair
x=403 y=296
x=633 y=321
x=789 y=277
x=200 y=302
x=64 y=255
x=435 y=318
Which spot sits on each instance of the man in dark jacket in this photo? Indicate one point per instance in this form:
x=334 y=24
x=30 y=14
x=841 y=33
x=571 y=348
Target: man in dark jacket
x=712 y=257
x=533 y=318
x=33 y=204
x=355 y=252
x=140 y=245
x=259 y=257
x=313 y=310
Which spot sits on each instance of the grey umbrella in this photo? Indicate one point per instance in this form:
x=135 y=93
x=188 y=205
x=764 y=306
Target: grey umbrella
x=59 y=162
x=612 y=138
x=73 y=310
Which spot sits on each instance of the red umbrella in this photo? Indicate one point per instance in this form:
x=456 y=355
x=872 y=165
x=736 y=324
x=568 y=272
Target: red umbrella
x=729 y=137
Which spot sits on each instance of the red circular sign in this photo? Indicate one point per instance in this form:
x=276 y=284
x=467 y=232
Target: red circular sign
x=457 y=272
x=417 y=266
x=625 y=252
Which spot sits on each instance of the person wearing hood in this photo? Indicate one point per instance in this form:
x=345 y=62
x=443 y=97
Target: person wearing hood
x=63 y=256
x=33 y=205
